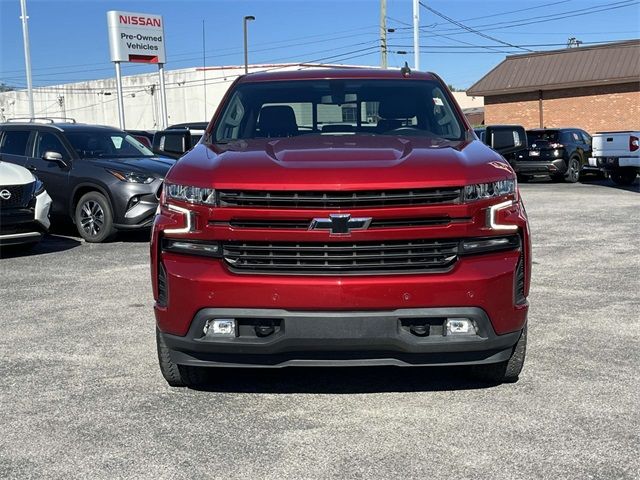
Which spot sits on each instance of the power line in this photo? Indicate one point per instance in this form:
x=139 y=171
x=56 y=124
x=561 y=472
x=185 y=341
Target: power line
x=448 y=37
x=550 y=17
x=233 y=51
x=559 y=44
x=515 y=11
x=472 y=30
x=336 y=57
x=316 y=52
x=208 y=57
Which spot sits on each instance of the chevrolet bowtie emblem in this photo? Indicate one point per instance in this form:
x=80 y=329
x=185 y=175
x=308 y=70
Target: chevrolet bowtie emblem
x=340 y=223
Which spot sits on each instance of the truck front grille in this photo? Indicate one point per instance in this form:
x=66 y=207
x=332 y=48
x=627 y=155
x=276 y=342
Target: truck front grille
x=345 y=199
x=404 y=256
x=18 y=195
x=277 y=224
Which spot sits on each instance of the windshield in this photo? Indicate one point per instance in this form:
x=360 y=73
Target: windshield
x=550 y=136
x=338 y=107
x=113 y=144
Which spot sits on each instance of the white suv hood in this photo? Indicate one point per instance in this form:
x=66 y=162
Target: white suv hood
x=11 y=174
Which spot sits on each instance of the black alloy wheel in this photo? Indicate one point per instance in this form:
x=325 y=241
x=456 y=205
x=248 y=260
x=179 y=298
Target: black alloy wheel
x=94 y=218
x=573 y=170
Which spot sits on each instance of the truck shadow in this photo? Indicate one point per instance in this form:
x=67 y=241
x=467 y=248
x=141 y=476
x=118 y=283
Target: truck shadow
x=49 y=244
x=634 y=187
x=341 y=380
x=63 y=226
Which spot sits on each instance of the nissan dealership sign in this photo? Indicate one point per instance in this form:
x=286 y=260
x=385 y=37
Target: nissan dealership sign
x=136 y=37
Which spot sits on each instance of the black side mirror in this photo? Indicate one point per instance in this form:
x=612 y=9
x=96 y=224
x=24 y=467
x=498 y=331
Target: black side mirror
x=506 y=139
x=172 y=143
x=55 y=157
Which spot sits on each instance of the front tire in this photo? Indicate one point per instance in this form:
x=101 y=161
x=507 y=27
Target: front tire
x=504 y=372
x=177 y=375
x=94 y=218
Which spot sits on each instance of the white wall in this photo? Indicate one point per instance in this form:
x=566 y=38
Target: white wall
x=96 y=101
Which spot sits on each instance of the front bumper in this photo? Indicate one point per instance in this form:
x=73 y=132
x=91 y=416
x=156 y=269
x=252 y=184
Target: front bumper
x=135 y=204
x=614 y=163
x=484 y=281
x=540 y=167
x=25 y=225
x=352 y=338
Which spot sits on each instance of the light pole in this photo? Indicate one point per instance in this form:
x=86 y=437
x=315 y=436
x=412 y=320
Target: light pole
x=247 y=18
x=27 y=54
x=416 y=34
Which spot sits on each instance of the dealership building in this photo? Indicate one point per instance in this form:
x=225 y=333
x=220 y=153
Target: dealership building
x=595 y=88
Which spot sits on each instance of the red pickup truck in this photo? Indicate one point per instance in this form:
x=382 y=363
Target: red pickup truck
x=341 y=217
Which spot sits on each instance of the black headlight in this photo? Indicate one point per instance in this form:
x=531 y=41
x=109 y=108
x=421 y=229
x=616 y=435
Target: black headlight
x=191 y=247
x=489 y=244
x=132 y=177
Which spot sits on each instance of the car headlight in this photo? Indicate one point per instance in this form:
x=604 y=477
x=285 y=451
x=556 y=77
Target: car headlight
x=482 y=191
x=38 y=187
x=190 y=194
x=132 y=177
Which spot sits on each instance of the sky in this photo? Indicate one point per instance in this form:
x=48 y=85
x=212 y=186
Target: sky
x=460 y=40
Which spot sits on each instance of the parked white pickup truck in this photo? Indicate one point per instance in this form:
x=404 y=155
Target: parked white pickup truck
x=618 y=153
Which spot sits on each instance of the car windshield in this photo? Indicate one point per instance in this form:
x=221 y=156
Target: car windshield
x=113 y=144
x=550 y=136
x=338 y=107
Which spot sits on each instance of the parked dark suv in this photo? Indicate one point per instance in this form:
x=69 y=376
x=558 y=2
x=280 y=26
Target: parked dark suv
x=101 y=177
x=561 y=153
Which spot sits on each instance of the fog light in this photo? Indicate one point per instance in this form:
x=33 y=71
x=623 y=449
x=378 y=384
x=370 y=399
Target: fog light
x=419 y=330
x=264 y=330
x=460 y=326
x=220 y=327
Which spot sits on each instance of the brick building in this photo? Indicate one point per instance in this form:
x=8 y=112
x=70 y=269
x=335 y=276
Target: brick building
x=594 y=88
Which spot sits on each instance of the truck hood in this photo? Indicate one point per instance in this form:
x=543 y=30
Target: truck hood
x=157 y=165
x=339 y=162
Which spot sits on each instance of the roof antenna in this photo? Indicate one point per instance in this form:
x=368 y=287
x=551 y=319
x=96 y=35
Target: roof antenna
x=405 y=71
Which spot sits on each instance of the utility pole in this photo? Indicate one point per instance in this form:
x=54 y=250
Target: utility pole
x=383 y=33
x=416 y=34
x=204 y=72
x=27 y=54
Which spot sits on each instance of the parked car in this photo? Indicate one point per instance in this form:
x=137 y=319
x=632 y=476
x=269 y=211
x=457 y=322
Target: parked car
x=341 y=217
x=561 y=153
x=145 y=137
x=496 y=135
x=101 y=177
x=24 y=206
x=178 y=139
x=617 y=153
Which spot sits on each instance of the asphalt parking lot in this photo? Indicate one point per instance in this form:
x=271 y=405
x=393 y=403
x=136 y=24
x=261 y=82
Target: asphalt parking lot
x=81 y=395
